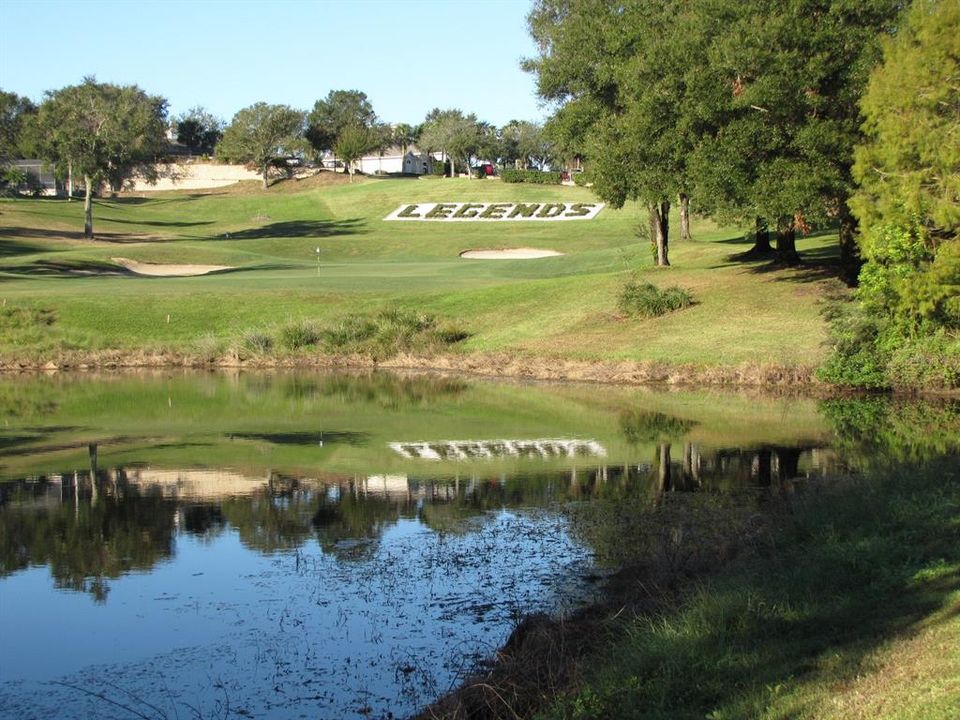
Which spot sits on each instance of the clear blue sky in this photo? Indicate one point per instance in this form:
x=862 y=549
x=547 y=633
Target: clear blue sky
x=407 y=55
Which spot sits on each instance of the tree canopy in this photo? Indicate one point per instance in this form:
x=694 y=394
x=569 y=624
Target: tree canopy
x=751 y=107
x=262 y=134
x=103 y=132
x=908 y=167
x=339 y=110
x=200 y=130
x=457 y=135
x=15 y=115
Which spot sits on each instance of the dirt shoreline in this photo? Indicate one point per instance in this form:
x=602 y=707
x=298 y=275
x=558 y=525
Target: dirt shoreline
x=754 y=377
x=500 y=365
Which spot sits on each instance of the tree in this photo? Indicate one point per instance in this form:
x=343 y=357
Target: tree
x=525 y=143
x=908 y=167
x=909 y=174
x=353 y=142
x=749 y=106
x=103 y=131
x=339 y=110
x=619 y=62
x=403 y=136
x=16 y=113
x=260 y=135
x=455 y=134
x=199 y=130
x=778 y=111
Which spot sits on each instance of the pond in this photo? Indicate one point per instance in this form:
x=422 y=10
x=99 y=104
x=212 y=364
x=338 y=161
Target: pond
x=179 y=545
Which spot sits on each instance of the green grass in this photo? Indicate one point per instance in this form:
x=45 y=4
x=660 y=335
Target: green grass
x=555 y=307
x=852 y=611
x=163 y=420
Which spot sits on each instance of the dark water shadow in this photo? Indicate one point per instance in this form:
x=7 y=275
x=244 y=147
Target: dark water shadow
x=180 y=445
x=11 y=441
x=355 y=439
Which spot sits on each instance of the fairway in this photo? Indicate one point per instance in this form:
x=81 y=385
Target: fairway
x=320 y=251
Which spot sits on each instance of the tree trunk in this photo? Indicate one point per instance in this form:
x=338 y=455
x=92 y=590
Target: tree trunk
x=88 y=207
x=69 y=180
x=787 y=242
x=660 y=230
x=685 y=217
x=266 y=169
x=350 y=170
x=663 y=468
x=789 y=463
x=850 y=260
x=761 y=238
x=764 y=460
x=453 y=168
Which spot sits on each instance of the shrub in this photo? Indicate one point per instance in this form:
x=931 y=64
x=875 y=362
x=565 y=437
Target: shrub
x=349 y=333
x=644 y=299
x=298 y=334
x=531 y=176
x=439 y=169
x=926 y=362
x=581 y=179
x=209 y=347
x=257 y=342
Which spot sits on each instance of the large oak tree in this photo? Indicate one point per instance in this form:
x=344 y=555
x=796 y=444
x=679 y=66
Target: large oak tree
x=103 y=132
x=260 y=135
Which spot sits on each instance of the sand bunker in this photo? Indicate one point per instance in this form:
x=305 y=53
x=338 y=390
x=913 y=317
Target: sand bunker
x=509 y=254
x=164 y=270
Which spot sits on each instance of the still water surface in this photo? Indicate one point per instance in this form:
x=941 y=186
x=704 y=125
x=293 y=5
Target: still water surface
x=276 y=546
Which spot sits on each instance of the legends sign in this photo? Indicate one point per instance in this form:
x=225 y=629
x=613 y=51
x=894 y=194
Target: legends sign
x=486 y=212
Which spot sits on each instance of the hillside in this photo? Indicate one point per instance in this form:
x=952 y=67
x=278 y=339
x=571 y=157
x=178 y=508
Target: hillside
x=68 y=297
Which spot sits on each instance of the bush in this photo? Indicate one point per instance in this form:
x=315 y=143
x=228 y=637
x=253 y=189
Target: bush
x=902 y=331
x=639 y=298
x=439 y=169
x=298 y=334
x=857 y=359
x=580 y=179
x=531 y=176
x=349 y=333
x=928 y=362
x=257 y=342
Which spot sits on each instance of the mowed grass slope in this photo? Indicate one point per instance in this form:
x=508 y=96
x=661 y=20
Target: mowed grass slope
x=64 y=293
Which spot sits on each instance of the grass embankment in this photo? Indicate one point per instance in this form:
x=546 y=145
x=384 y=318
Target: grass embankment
x=66 y=298
x=851 y=609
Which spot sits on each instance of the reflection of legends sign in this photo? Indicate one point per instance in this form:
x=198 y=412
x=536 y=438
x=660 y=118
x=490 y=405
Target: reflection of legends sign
x=488 y=449
x=483 y=212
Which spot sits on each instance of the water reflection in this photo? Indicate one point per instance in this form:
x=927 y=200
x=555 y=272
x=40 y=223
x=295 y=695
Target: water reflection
x=317 y=545
x=94 y=525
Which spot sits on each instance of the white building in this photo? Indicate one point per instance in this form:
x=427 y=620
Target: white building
x=392 y=161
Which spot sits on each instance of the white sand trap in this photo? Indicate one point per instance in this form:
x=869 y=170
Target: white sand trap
x=164 y=270
x=509 y=254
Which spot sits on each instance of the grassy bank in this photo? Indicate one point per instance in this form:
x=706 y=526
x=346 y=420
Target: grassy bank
x=65 y=297
x=849 y=609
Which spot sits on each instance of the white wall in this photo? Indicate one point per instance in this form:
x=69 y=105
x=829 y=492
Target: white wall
x=193 y=176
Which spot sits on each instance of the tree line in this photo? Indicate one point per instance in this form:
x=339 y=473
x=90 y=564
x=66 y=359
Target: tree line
x=103 y=133
x=793 y=115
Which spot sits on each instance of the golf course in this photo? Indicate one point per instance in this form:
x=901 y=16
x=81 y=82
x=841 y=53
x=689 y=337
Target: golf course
x=309 y=270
